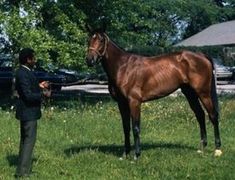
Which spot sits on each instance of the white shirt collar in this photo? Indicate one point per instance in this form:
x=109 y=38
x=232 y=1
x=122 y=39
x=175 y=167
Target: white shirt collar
x=26 y=67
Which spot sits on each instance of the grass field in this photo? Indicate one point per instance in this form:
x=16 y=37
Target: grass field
x=84 y=140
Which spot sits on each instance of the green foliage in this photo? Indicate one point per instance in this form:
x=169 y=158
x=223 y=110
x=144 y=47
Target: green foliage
x=55 y=38
x=55 y=29
x=201 y=13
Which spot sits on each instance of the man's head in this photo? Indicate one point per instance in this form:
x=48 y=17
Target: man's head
x=27 y=57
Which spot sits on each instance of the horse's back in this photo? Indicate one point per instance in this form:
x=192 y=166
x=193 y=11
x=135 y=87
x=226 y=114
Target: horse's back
x=153 y=77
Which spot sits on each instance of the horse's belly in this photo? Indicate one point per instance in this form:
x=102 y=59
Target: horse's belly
x=158 y=90
x=151 y=86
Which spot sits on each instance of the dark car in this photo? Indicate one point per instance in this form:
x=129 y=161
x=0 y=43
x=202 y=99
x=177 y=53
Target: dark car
x=5 y=78
x=7 y=75
x=71 y=76
x=57 y=80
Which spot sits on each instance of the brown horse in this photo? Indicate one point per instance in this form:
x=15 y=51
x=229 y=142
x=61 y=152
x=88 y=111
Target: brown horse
x=134 y=79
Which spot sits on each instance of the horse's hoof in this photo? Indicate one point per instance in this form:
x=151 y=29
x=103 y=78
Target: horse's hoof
x=218 y=153
x=124 y=156
x=121 y=158
x=199 y=151
x=135 y=160
x=136 y=157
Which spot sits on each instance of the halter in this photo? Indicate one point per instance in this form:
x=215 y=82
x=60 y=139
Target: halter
x=106 y=40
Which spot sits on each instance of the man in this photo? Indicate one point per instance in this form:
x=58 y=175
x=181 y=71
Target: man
x=28 y=108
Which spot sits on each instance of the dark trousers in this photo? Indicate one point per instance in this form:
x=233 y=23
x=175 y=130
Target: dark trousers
x=28 y=133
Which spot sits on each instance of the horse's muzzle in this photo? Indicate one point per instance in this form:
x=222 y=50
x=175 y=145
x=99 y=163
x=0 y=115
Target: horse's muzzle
x=90 y=62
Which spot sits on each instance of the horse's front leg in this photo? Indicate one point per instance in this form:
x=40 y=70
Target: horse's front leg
x=125 y=114
x=135 y=116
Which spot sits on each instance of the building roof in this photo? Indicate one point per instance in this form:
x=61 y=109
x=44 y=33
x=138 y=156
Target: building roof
x=217 y=34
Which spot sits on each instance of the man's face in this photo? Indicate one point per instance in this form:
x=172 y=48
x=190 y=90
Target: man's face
x=31 y=62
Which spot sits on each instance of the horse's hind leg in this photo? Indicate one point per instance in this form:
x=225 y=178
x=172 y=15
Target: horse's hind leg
x=125 y=114
x=213 y=116
x=195 y=105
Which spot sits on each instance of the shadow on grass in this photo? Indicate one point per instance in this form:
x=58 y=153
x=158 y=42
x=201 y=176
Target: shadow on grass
x=117 y=150
x=78 y=99
x=12 y=159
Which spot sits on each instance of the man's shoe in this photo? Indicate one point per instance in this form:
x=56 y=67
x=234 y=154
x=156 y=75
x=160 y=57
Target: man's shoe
x=24 y=175
x=18 y=176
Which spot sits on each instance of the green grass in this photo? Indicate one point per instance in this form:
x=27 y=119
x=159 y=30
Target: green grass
x=84 y=140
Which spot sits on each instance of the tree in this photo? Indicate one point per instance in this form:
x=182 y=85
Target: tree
x=139 y=23
x=200 y=14
x=55 y=28
x=54 y=38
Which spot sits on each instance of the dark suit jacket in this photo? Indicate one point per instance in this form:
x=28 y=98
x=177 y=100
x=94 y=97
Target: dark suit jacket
x=28 y=106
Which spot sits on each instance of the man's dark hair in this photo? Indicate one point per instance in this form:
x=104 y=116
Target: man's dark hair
x=25 y=54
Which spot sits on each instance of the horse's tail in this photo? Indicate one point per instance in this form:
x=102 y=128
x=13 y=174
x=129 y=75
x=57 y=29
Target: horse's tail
x=213 y=86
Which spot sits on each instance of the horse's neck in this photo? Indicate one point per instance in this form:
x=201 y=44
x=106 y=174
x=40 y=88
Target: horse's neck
x=113 y=60
x=114 y=52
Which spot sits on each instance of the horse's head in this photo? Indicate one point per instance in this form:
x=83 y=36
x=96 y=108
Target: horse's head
x=97 y=47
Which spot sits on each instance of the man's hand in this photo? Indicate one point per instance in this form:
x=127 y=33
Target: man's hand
x=46 y=93
x=44 y=85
